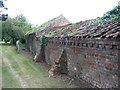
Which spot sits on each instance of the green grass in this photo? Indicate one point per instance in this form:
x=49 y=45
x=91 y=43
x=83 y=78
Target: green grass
x=33 y=74
x=8 y=79
x=2 y=42
x=22 y=45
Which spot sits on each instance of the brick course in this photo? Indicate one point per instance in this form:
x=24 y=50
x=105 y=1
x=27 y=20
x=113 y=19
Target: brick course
x=95 y=64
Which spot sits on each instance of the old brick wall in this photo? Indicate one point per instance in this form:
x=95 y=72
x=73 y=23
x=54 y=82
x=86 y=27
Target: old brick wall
x=32 y=44
x=95 y=61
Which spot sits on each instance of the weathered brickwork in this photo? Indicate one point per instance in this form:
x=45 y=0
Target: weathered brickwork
x=95 y=61
x=84 y=50
x=32 y=42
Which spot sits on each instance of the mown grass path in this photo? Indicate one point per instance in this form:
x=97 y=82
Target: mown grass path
x=18 y=71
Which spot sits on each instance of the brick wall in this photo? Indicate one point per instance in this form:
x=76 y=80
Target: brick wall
x=95 y=61
x=33 y=44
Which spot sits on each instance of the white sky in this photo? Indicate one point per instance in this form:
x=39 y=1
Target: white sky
x=40 y=11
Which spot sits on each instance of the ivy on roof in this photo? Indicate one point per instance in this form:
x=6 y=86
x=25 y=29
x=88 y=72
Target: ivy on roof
x=54 y=32
x=35 y=29
x=112 y=14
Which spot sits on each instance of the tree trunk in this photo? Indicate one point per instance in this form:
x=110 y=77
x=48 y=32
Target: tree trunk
x=14 y=41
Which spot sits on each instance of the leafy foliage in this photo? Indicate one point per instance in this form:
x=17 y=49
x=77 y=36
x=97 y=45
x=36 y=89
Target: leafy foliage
x=112 y=14
x=15 y=28
x=3 y=16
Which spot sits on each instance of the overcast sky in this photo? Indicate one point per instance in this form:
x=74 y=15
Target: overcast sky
x=40 y=11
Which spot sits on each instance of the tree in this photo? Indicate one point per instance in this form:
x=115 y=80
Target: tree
x=23 y=23
x=15 y=28
x=112 y=14
x=3 y=16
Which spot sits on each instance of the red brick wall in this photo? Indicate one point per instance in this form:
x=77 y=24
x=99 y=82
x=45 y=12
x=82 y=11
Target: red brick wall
x=95 y=61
